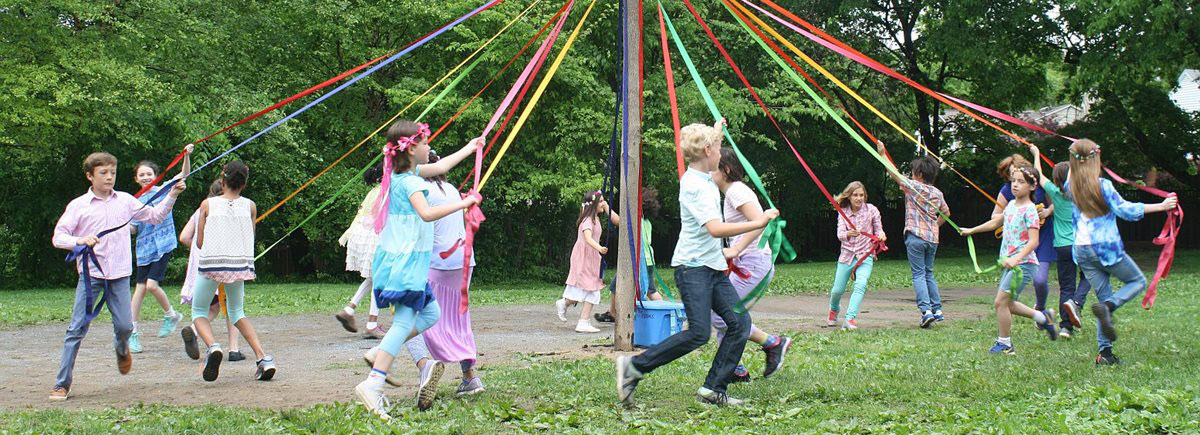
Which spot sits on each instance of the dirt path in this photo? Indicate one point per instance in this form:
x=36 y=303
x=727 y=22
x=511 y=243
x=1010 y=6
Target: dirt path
x=319 y=362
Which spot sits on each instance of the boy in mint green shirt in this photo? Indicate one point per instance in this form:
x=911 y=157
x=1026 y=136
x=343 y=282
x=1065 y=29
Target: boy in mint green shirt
x=1070 y=295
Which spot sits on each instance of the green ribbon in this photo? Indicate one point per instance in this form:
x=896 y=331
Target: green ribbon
x=773 y=233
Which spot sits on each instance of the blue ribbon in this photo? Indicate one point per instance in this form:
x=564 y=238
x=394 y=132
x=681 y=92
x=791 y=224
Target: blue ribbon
x=85 y=254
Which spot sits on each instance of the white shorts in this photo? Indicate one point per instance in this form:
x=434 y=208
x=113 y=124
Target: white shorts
x=572 y=293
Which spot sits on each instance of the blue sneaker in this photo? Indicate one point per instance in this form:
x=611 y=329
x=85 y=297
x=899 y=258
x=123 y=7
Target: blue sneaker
x=135 y=345
x=1049 y=327
x=1003 y=349
x=927 y=320
x=937 y=316
x=168 y=325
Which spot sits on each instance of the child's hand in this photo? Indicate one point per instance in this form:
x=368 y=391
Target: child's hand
x=188 y=149
x=883 y=238
x=1044 y=213
x=879 y=146
x=603 y=250
x=966 y=231
x=771 y=214
x=470 y=200
x=721 y=124
x=178 y=188
x=1034 y=149
x=853 y=233
x=474 y=144
x=729 y=253
x=1010 y=262
x=1170 y=202
x=342 y=240
x=89 y=241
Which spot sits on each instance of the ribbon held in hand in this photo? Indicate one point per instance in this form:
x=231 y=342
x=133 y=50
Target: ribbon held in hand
x=473 y=218
x=87 y=256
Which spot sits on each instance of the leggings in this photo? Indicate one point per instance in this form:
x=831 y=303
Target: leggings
x=364 y=288
x=405 y=321
x=841 y=277
x=235 y=298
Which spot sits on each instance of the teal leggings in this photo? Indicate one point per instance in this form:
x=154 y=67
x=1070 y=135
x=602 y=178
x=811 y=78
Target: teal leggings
x=235 y=297
x=860 y=286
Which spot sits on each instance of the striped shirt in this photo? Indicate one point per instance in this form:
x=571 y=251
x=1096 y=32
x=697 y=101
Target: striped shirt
x=921 y=205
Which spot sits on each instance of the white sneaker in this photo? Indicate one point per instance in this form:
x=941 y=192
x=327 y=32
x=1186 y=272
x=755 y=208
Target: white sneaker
x=392 y=378
x=430 y=375
x=374 y=400
x=585 y=326
x=561 y=305
x=714 y=398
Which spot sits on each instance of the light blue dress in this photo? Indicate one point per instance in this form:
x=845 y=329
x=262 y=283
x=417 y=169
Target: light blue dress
x=400 y=272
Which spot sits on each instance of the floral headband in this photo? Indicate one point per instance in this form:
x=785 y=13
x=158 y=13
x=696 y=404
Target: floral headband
x=1095 y=151
x=390 y=149
x=1026 y=171
x=403 y=143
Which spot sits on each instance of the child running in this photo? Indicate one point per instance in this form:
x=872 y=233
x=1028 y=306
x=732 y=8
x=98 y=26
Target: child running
x=583 y=280
x=753 y=264
x=1017 y=256
x=925 y=211
x=700 y=275
x=1098 y=248
x=856 y=248
x=225 y=238
x=1070 y=296
x=188 y=237
x=400 y=271
x=360 y=241
x=154 y=245
x=80 y=224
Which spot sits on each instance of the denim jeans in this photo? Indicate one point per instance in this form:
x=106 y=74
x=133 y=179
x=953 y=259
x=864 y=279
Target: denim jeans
x=1067 y=289
x=1098 y=275
x=117 y=301
x=920 y=260
x=702 y=290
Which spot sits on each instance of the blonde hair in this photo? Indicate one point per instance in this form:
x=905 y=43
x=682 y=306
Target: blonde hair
x=1085 y=178
x=694 y=138
x=843 y=199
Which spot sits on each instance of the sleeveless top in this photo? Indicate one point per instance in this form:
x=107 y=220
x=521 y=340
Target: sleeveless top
x=228 y=251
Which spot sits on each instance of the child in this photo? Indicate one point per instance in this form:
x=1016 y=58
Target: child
x=650 y=208
x=225 y=237
x=741 y=205
x=84 y=218
x=1098 y=249
x=187 y=237
x=1070 y=297
x=360 y=241
x=1017 y=250
x=400 y=271
x=583 y=281
x=1045 y=250
x=154 y=245
x=700 y=275
x=856 y=246
x=925 y=211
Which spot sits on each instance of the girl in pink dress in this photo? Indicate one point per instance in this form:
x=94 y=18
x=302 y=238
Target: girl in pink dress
x=583 y=282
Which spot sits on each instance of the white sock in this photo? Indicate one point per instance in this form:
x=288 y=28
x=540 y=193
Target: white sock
x=171 y=313
x=372 y=325
x=348 y=310
x=1007 y=341
x=375 y=379
x=1039 y=318
x=135 y=330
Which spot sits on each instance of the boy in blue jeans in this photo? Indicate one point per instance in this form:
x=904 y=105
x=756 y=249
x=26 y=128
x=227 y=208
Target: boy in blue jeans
x=700 y=275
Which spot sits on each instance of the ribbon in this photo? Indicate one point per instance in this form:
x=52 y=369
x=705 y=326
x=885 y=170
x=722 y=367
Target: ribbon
x=85 y=255
x=662 y=29
x=1166 y=238
x=390 y=149
x=635 y=231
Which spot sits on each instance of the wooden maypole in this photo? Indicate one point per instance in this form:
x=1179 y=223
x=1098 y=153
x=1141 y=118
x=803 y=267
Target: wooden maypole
x=630 y=176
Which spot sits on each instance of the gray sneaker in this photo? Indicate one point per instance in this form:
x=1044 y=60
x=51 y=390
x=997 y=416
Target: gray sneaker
x=430 y=375
x=714 y=398
x=627 y=379
x=467 y=388
x=266 y=368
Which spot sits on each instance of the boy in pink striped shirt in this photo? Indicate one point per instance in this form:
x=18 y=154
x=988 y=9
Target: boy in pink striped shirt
x=85 y=217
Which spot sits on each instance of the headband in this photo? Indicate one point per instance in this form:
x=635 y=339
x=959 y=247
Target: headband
x=1088 y=155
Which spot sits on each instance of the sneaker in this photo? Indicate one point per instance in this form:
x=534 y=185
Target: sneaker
x=392 y=378
x=1064 y=332
x=375 y=333
x=124 y=362
x=347 y=320
x=168 y=325
x=1102 y=360
x=938 y=317
x=135 y=344
x=1104 y=316
x=1071 y=313
x=740 y=376
x=212 y=363
x=605 y=317
x=927 y=319
x=832 y=320
x=430 y=375
x=60 y=393
x=627 y=379
x=775 y=356
x=714 y=398
x=1002 y=348
x=850 y=325
x=189 y=343
x=236 y=356
x=373 y=399
x=266 y=368
x=467 y=388
x=585 y=326
x=561 y=308
x=1049 y=327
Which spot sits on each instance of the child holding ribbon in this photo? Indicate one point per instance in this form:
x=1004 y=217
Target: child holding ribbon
x=400 y=271
x=187 y=237
x=583 y=280
x=857 y=250
x=1017 y=257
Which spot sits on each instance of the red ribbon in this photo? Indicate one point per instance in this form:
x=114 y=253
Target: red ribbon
x=680 y=166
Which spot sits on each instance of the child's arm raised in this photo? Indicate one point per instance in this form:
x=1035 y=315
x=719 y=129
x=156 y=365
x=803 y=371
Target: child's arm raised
x=721 y=230
x=990 y=225
x=1037 y=164
x=430 y=214
x=899 y=179
x=187 y=160
x=449 y=162
x=612 y=215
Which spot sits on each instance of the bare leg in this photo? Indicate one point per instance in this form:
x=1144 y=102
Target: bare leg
x=135 y=304
x=247 y=330
x=154 y=289
x=757 y=335
x=233 y=339
x=1003 y=303
x=586 y=312
x=204 y=330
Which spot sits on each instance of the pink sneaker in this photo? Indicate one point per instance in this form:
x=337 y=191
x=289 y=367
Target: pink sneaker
x=832 y=321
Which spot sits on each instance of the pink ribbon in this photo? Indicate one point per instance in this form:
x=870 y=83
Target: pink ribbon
x=390 y=149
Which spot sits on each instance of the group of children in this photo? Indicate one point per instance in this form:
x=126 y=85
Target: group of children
x=407 y=243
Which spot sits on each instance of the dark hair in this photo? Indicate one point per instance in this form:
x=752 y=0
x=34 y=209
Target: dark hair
x=401 y=129
x=730 y=166
x=1060 y=174
x=650 y=204
x=925 y=167
x=373 y=175
x=94 y=160
x=590 y=207
x=215 y=189
x=1028 y=172
x=437 y=179
x=153 y=166
x=234 y=175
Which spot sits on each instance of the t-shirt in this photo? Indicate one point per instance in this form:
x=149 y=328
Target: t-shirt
x=1018 y=220
x=1045 y=250
x=647 y=251
x=736 y=196
x=1064 y=212
x=699 y=204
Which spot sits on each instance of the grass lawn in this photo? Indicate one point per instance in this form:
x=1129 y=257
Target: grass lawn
x=896 y=380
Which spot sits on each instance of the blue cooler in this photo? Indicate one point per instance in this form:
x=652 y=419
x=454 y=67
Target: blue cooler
x=654 y=321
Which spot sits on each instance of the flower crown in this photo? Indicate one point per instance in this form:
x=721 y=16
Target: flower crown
x=1094 y=152
x=402 y=144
